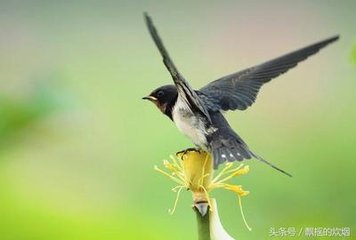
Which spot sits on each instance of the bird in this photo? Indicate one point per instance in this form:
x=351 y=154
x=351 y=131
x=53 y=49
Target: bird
x=199 y=114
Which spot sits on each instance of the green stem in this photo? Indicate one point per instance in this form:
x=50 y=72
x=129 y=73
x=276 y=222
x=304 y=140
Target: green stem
x=203 y=224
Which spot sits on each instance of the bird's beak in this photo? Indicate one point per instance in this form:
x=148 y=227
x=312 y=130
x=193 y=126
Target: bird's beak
x=150 y=98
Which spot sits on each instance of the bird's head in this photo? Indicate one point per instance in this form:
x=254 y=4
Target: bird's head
x=164 y=98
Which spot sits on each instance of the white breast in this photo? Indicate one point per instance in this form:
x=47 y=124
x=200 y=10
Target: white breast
x=189 y=124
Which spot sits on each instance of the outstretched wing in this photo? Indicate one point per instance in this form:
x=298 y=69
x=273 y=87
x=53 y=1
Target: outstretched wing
x=239 y=90
x=184 y=89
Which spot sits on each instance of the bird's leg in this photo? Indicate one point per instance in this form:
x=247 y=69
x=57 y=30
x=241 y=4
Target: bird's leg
x=183 y=152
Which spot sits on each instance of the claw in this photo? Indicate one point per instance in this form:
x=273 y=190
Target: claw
x=183 y=152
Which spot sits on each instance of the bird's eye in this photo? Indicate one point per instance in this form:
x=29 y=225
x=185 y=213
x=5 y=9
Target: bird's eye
x=160 y=94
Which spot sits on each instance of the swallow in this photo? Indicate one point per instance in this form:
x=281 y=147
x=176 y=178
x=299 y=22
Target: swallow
x=198 y=114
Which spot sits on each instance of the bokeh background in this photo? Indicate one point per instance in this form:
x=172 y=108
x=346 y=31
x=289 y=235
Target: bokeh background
x=78 y=145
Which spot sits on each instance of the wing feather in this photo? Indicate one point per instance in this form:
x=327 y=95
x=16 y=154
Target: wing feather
x=184 y=89
x=239 y=90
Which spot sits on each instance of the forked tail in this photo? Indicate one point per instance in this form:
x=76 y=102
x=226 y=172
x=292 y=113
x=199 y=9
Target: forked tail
x=233 y=148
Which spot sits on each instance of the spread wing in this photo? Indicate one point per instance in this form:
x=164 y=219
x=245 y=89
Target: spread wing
x=184 y=89
x=239 y=90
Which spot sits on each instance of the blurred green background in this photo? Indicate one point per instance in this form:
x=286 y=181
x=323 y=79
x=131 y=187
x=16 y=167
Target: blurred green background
x=78 y=145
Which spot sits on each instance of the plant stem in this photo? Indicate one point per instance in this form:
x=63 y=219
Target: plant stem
x=203 y=224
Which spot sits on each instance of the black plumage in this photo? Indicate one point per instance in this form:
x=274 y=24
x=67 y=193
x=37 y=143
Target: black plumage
x=239 y=90
x=182 y=85
x=198 y=113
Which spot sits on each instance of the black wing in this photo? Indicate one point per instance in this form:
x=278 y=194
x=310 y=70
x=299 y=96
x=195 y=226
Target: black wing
x=239 y=90
x=184 y=90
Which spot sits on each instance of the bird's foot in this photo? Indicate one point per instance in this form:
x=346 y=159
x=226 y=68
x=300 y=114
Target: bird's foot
x=183 y=152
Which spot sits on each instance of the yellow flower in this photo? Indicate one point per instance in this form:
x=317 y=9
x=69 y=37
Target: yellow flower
x=193 y=170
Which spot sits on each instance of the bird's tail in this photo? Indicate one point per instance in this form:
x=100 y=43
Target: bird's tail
x=271 y=165
x=233 y=148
